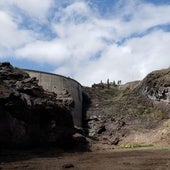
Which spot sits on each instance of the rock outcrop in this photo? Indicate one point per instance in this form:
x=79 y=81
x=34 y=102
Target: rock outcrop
x=156 y=85
x=29 y=115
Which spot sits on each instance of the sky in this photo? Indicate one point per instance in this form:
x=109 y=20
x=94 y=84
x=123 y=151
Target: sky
x=87 y=40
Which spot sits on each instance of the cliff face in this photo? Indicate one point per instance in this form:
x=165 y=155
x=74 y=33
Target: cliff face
x=156 y=85
x=30 y=115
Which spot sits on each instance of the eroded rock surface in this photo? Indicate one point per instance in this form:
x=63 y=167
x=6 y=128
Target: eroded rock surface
x=156 y=85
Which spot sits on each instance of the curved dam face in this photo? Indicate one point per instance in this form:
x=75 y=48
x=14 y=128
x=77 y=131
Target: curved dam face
x=56 y=83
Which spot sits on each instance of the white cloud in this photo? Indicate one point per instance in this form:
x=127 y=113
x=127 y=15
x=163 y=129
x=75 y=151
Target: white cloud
x=34 y=8
x=78 y=8
x=131 y=61
x=152 y=51
x=10 y=36
x=52 y=52
x=86 y=44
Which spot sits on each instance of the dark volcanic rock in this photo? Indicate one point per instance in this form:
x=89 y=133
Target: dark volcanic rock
x=156 y=85
x=101 y=129
x=29 y=115
x=69 y=165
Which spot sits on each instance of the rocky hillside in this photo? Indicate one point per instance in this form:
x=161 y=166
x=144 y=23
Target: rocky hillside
x=29 y=115
x=136 y=113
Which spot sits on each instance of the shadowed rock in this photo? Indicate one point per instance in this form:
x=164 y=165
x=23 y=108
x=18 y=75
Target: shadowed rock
x=29 y=115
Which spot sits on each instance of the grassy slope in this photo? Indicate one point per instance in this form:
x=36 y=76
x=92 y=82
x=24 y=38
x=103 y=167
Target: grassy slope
x=124 y=103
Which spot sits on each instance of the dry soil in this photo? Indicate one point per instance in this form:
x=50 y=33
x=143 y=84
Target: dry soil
x=133 y=159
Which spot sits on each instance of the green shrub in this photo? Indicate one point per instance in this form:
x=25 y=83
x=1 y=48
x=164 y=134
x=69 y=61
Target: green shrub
x=131 y=146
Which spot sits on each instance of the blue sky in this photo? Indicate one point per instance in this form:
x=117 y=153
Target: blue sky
x=88 y=40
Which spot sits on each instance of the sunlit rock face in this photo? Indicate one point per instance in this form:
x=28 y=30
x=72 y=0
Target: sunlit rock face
x=156 y=85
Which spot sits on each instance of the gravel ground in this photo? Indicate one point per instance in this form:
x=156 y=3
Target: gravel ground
x=134 y=159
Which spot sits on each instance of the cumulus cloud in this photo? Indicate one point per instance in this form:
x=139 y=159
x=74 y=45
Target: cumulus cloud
x=13 y=32
x=34 y=8
x=130 y=61
x=10 y=36
x=45 y=52
x=127 y=44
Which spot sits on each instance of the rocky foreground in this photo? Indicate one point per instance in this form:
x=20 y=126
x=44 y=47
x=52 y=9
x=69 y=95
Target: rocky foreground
x=157 y=159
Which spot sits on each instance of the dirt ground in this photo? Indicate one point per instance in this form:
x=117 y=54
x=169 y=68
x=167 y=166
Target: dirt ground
x=134 y=159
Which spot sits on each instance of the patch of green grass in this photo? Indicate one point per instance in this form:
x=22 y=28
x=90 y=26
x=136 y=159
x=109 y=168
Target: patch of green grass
x=131 y=146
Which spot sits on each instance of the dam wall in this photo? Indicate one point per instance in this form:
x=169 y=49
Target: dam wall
x=57 y=83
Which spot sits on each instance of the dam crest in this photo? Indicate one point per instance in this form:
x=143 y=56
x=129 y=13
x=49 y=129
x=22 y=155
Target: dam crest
x=56 y=83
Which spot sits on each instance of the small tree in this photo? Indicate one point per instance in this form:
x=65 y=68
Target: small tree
x=108 y=84
x=114 y=83
x=119 y=82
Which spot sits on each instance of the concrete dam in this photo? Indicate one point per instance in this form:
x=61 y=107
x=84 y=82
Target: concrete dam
x=56 y=83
